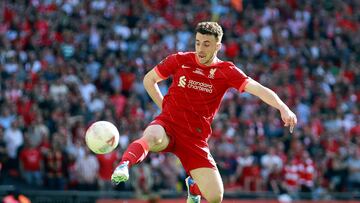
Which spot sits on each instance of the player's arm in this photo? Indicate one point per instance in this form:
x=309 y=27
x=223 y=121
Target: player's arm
x=150 y=83
x=271 y=98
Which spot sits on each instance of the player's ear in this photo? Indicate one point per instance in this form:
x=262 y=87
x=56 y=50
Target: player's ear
x=218 y=46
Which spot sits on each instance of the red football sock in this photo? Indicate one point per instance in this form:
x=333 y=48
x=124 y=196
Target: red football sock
x=136 y=152
x=194 y=189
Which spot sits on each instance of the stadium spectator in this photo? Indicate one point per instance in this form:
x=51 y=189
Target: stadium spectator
x=291 y=181
x=3 y=155
x=31 y=163
x=337 y=172
x=143 y=180
x=55 y=166
x=246 y=170
x=14 y=138
x=271 y=164
x=87 y=169
x=354 y=170
x=106 y=164
x=307 y=173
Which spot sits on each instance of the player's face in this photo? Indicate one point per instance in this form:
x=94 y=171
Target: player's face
x=206 y=47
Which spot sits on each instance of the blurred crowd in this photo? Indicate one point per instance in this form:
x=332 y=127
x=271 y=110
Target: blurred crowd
x=67 y=63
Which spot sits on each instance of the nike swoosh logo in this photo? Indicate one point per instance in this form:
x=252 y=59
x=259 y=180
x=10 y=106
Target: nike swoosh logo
x=132 y=154
x=183 y=66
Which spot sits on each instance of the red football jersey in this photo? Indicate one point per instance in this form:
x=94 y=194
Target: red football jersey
x=31 y=159
x=196 y=91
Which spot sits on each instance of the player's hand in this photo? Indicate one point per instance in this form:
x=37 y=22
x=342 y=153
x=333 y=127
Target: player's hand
x=289 y=118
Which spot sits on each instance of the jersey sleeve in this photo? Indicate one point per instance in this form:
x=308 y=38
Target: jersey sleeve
x=237 y=78
x=167 y=66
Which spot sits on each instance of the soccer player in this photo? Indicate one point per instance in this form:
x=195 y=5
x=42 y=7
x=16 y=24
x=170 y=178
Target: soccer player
x=200 y=80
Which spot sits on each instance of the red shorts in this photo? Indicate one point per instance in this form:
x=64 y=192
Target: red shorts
x=193 y=152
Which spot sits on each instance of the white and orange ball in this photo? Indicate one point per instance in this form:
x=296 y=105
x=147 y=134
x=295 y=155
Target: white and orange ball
x=102 y=137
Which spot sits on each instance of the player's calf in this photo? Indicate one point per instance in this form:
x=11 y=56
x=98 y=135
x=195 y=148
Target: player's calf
x=214 y=198
x=210 y=183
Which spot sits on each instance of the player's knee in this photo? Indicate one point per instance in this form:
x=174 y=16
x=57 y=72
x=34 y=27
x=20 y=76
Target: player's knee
x=215 y=196
x=154 y=139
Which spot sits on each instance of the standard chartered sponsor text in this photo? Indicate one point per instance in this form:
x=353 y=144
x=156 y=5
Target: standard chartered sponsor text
x=200 y=86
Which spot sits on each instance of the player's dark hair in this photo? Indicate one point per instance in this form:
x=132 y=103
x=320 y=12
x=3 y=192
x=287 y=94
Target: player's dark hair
x=210 y=28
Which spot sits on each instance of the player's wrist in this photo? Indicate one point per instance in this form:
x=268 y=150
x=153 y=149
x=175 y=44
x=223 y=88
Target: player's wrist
x=283 y=108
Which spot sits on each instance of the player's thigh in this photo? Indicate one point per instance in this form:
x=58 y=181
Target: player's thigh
x=156 y=138
x=210 y=183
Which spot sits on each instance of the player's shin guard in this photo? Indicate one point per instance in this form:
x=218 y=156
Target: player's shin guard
x=136 y=152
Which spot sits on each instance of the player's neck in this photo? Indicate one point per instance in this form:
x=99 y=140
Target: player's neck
x=211 y=62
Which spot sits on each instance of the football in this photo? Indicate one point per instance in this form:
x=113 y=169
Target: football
x=102 y=137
